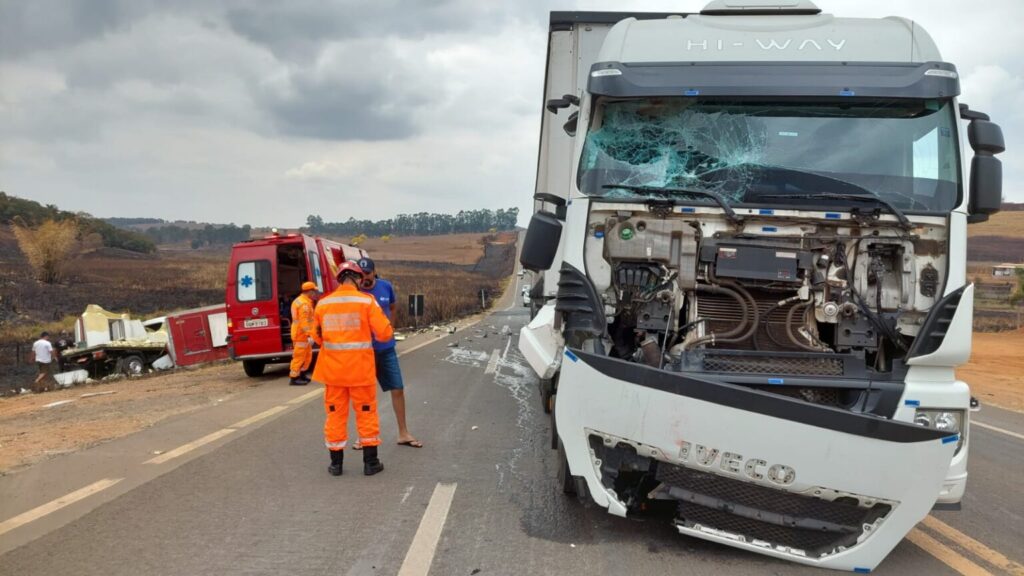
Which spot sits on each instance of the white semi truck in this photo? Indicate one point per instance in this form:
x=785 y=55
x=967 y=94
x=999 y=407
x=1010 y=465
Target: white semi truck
x=751 y=290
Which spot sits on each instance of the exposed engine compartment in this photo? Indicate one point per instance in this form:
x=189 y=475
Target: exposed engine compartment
x=788 y=299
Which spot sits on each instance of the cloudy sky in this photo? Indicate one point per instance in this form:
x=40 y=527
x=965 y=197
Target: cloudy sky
x=263 y=113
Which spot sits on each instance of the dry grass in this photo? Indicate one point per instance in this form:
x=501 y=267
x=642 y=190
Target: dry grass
x=451 y=249
x=48 y=247
x=1009 y=224
x=448 y=292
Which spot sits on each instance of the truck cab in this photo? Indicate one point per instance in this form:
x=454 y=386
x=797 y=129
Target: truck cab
x=751 y=227
x=264 y=277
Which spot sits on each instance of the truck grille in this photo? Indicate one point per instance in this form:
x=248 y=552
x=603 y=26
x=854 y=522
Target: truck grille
x=773 y=365
x=813 y=525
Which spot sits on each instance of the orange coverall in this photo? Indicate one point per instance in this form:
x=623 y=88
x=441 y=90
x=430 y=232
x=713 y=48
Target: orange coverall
x=345 y=324
x=302 y=331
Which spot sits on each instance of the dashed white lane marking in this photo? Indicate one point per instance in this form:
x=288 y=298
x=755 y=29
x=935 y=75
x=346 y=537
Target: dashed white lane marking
x=493 y=364
x=306 y=396
x=995 y=429
x=54 y=505
x=405 y=495
x=185 y=448
x=421 y=552
x=258 y=417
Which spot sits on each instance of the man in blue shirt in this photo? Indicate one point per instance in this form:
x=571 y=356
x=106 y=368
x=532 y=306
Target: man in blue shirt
x=389 y=375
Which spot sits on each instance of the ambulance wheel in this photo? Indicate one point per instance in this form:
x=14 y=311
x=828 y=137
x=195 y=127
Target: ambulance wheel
x=253 y=368
x=132 y=365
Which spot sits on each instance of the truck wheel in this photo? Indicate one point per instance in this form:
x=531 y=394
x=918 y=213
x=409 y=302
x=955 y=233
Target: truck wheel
x=554 y=425
x=565 y=478
x=253 y=368
x=132 y=365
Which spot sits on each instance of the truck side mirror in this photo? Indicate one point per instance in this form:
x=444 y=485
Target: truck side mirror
x=565 y=101
x=557 y=201
x=570 y=126
x=541 y=242
x=986 y=185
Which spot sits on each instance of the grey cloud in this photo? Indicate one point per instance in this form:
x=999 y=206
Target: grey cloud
x=28 y=26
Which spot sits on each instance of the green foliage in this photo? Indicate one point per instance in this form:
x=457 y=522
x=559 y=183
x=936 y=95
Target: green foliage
x=209 y=235
x=421 y=224
x=33 y=214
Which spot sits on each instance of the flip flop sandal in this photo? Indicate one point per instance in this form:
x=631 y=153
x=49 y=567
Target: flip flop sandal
x=412 y=443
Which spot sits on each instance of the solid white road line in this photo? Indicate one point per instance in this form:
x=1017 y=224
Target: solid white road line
x=258 y=417
x=994 y=429
x=190 y=446
x=54 y=505
x=493 y=364
x=306 y=396
x=421 y=552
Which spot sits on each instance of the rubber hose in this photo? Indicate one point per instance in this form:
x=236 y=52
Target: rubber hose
x=789 y=327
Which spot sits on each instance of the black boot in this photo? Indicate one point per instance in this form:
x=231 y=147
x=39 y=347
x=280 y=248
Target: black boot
x=371 y=464
x=337 y=458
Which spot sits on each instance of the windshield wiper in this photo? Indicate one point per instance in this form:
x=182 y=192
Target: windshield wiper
x=730 y=214
x=905 y=222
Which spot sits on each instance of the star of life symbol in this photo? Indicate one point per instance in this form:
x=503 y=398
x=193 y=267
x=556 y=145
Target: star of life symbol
x=246 y=281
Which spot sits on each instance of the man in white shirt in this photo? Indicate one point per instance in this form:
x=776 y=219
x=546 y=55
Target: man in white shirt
x=42 y=351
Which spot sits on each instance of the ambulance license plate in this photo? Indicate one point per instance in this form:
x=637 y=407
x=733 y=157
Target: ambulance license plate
x=256 y=323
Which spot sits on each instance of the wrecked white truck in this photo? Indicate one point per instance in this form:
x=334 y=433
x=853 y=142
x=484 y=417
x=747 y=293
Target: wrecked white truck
x=751 y=227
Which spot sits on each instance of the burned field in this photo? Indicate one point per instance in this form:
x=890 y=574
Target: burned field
x=151 y=285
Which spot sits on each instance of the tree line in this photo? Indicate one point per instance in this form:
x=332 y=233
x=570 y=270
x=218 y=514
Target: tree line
x=208 y=235
x=32 y=214
x=421 y=224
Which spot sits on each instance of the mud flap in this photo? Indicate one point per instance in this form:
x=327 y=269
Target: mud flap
x=751 y=469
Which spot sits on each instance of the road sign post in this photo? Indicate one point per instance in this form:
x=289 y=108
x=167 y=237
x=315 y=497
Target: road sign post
x=416 y=305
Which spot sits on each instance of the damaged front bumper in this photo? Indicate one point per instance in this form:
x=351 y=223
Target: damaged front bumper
x=758 y=471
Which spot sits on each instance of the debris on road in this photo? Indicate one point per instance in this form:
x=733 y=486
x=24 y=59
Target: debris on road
x=453 y=344
x=475 y=428
x=57 y=403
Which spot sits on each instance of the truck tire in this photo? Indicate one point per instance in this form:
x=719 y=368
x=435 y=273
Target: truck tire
x=566 y=480
x=253 y=368
x=132 y=365
x=554 y=425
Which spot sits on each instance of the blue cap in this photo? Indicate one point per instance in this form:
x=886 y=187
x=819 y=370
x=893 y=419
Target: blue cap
x=366 y=264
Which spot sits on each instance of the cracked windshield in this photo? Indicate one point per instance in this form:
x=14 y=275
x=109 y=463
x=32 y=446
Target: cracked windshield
x=755 y=152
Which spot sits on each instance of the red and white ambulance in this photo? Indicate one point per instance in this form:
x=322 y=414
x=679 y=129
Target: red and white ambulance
x=264 y=276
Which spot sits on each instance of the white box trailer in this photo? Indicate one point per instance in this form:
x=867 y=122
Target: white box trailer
x=751 y=224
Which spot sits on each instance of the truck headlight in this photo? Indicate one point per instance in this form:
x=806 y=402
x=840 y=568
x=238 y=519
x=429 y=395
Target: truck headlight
x=950 y=421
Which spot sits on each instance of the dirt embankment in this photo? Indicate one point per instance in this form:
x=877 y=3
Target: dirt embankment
x=996 y=369
x=39 y=426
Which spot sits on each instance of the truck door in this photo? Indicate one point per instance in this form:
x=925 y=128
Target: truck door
x=314 y=262
x=194 y=333
x=252 y=301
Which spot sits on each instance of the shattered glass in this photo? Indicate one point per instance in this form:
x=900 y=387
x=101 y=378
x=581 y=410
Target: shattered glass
x=666 y=146
x=905 y=152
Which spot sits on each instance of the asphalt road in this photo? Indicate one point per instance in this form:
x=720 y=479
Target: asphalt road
x=259 y=501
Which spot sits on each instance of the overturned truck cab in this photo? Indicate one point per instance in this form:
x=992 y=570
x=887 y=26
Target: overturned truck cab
x=752 y=236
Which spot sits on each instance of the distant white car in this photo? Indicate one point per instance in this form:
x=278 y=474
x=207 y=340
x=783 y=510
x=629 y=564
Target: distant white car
x=522 y=271
x=526 y=298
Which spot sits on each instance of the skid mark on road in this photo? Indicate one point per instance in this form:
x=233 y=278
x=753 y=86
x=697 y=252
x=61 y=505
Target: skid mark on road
x=54 y=505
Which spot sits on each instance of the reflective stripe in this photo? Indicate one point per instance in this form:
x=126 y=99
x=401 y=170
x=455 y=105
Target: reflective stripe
x=300 y=344
x=336 y=445
x=345 y=300
x=347 y=345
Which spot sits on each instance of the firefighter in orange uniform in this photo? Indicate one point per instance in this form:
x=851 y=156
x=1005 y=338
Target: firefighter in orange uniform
x=345 y=323
x=302 y=332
